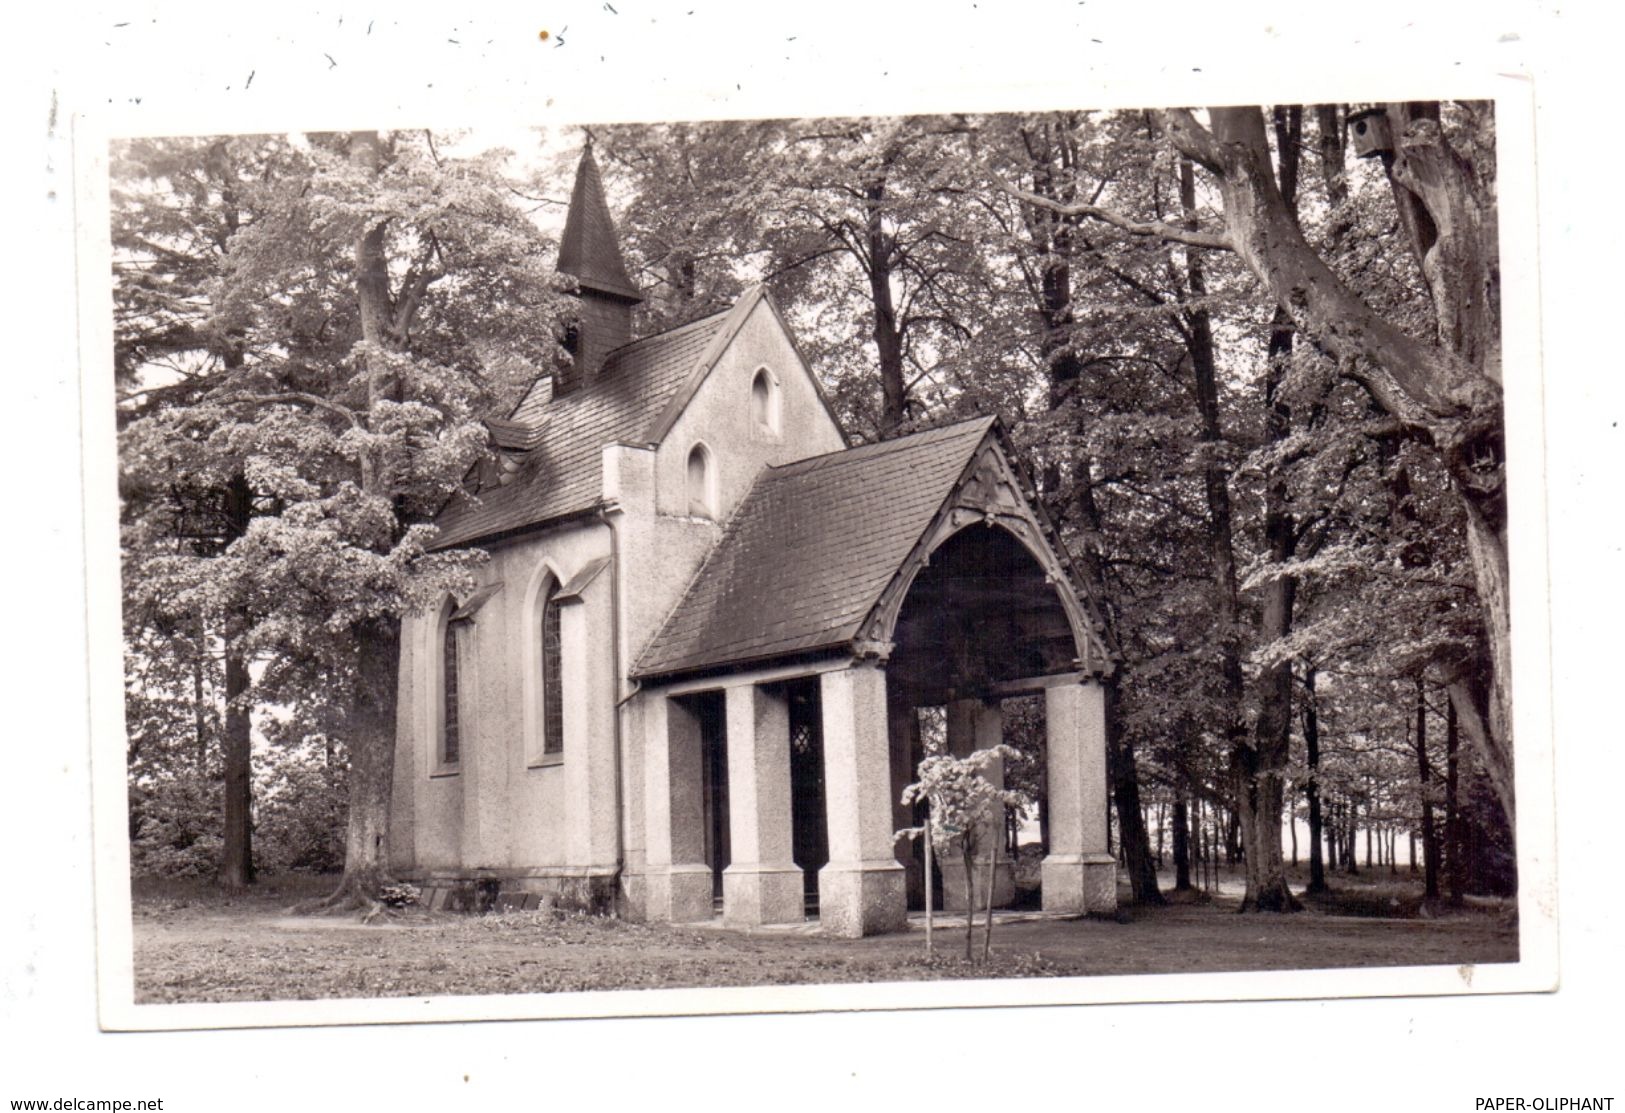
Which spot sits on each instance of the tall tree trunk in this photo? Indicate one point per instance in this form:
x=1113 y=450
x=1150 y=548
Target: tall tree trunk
x=237 y=853
x=1430 y=834
x=378 y=640
x=1198 y=335
x=1454 y=860
x=1162 y=830
x=1260 y=767
x=1182 y=845
x=1199 y=842
x=1449 y=391
x=372 y=727
x=1135 y=842
x=1311 y=738
x=1351 y=834
x=1052 y=237
x=888 y=337
x=237 y=749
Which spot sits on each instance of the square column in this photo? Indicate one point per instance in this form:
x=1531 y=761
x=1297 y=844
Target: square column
x=589 y=745
x=762 y=884
x=861 y=890
x=1079 y=875
x=676 y=877
x=976 y=725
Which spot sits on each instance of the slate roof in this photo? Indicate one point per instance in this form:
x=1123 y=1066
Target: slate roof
x=589 y=249
x=563 y=475
x=808 y=552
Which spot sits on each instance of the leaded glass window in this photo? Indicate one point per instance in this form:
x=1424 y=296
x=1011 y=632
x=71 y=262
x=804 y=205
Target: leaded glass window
x=552 y=666
x=450 y=739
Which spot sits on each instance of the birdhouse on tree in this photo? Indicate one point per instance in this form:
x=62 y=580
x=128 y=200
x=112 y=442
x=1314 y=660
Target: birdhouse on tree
x=1370 y=133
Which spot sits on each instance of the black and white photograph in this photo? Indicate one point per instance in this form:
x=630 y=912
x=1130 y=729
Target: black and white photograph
x=816 y=558
x=1094 y=521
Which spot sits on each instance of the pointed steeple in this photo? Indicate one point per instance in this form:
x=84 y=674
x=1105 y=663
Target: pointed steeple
x=591 y=254
x=590 y=251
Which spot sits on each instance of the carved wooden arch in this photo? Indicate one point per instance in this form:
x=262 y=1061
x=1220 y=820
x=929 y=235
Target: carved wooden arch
x=990 y=494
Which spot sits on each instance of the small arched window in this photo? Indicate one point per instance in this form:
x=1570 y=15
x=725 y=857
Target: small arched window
x=552 y=675
x=764 y=402
x=701 y=483
x=450 y=726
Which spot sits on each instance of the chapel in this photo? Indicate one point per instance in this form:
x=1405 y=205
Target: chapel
x=690 y=681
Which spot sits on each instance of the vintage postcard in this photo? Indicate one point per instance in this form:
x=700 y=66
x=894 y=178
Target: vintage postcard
x=623 y=568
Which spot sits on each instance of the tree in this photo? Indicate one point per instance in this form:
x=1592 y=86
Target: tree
x=964 y=809
x=848 y=220
x=387 y=299
x=1057 y=167
x=1444 y=390
x=178 y=207
x=1440 y=392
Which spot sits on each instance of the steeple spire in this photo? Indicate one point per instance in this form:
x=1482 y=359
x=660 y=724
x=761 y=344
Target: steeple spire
x=591 y=254
x=590 y=251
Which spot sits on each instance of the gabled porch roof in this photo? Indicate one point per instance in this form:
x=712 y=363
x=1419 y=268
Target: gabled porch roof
x=820 y=552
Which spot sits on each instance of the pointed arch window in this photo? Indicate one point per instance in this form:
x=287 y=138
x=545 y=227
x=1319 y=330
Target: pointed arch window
x=449 y=744
x=552 y=675
x=701 y=483
x=765 y=403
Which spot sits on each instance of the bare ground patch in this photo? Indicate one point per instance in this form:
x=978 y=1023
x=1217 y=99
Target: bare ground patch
x=203 y=947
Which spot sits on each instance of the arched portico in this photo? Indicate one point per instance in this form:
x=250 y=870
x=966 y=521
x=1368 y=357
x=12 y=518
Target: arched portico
x=983 y=619
x=981 y=609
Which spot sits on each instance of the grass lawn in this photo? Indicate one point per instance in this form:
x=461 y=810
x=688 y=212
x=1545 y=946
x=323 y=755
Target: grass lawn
x=194 y=944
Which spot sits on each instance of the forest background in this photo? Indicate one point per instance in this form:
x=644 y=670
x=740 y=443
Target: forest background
x=82 y=66
x=1267 y=420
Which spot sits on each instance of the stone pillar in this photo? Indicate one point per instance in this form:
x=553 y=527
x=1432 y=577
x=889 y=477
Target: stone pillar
x=1079 y=874
x=975 y=725
x=860 y=891
x=589 y=740
x=676 y=877
x=762 y=884
x=482 y=765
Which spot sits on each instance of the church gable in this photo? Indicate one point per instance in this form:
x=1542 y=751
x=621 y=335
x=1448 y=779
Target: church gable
x=557 y=443
x=751 y=402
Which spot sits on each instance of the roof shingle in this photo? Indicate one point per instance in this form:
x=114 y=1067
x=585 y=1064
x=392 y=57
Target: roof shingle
x=589 y=249
x=810 y=549
x=563 y=475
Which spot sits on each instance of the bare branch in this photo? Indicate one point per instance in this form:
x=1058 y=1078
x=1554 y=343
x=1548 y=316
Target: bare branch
x=1154 y=228
x=315 y=401
x=1192 y=140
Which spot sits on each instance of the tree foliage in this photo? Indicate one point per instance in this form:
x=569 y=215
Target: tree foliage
x=1258 y=377
x=330 y=348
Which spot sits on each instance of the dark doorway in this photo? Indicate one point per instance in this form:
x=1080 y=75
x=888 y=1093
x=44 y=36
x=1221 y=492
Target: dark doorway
x=714 y=765
x=809 y=826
